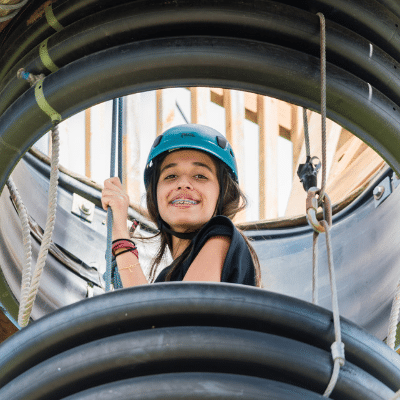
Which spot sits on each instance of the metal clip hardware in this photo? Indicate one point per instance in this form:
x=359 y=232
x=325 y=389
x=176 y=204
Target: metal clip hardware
x=312 y=209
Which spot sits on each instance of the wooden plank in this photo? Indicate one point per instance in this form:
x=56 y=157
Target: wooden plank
x=267 y=111
x=344 y=157
x=250 y=102
x=7 y=328
x=200 y=97
x=284 y=111
x=234 y=118
x=88 y=138
x=297 y=135
x=165 y=99
x=358 y=172
x=132 y=148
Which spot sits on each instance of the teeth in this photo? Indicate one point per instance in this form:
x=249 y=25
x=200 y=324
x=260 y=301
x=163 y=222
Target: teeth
x=181 y=201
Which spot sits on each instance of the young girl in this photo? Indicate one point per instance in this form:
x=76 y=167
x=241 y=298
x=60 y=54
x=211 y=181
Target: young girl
x=192 y=194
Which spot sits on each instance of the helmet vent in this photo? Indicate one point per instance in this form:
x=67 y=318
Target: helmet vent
x=157 y=141
x=222 y=142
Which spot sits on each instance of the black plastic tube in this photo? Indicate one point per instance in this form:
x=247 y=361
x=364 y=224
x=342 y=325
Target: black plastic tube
x=196 y=386
x=369 y=18
x=273 y=23
x=196 y=61
x=185 y=304
x=192 y=349
x=32 y=27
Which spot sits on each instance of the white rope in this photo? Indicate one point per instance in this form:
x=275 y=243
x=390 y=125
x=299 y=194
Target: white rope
x=30 y=286
x=10 y=7
x=26 y=237
x=394 y=318
x=315 y=269
x=323 y=101
x=337 y=347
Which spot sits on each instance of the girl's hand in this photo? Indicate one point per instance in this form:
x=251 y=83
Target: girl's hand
x=113 y=196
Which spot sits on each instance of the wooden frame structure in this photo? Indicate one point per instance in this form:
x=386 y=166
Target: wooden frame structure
x=350 y=162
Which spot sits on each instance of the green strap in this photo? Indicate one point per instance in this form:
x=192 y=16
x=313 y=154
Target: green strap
x=51 y=18
x=45 y=57
x=44 y=105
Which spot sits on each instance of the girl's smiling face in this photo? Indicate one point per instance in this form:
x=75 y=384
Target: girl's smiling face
x=187 y=190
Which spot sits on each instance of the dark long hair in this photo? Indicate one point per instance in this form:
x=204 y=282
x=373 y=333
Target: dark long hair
x=232 y=201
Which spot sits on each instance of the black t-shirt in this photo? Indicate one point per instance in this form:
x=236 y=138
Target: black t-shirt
x=238 y=266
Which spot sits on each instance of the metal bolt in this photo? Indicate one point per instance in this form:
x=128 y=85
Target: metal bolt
x=378 y=192
x=85 y=209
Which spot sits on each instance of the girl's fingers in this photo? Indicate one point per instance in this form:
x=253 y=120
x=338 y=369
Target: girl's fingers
x=114 y=198
x=113 y=182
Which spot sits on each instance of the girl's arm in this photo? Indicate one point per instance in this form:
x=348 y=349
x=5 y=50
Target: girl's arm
x=208 y=264
x=128 y=264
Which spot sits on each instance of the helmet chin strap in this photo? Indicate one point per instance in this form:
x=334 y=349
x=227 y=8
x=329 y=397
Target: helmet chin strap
x=163 y=226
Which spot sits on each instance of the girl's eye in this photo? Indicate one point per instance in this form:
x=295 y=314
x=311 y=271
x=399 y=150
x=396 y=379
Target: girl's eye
x=170 y=176
x=199 y=176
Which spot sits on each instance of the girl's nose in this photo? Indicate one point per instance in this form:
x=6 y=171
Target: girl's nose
x=184 y=182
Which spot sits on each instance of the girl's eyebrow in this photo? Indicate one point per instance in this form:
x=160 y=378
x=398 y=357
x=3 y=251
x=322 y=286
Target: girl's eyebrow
x=197 y=163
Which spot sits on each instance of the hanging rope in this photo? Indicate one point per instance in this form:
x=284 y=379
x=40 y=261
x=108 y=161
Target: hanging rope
x=308 y=171
x=31 y=279
x=323 y=102
x=26 y=238
x=306 y=134
x=30 y=284
x=315 y=198
x=11 y=7
x=117 y=114
x=394 y=317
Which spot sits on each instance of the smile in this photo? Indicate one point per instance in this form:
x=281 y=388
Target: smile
x=184 y=201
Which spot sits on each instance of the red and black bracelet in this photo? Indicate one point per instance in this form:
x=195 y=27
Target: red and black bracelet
x=127 y=244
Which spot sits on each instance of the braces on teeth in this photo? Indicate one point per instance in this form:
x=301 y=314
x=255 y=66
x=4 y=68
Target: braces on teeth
x=184 y=201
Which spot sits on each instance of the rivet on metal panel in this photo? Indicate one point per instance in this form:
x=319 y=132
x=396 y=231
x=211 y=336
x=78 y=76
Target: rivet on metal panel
x=382 y=191
x=82 y=208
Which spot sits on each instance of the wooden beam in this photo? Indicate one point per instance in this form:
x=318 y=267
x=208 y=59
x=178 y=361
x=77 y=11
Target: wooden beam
x=234 y=118
x=267 y=111
x=355 y=164
x=284 y=114
x=200 y=97
x=88 y=138
x=7 y=328
x=165 y=100
x=132 y=160
x=297 y=136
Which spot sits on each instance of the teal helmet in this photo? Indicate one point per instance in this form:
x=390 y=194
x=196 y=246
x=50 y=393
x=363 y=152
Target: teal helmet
x=192 y=136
